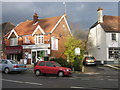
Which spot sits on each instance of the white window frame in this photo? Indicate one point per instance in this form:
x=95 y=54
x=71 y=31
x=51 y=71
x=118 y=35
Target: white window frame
x=13 y=41
x=39 y=39
x=27 y=40
x=113 y=52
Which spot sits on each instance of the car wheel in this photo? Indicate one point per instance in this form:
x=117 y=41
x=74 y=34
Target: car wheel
x=6 y=70
x=37 y=73
x=60 y=74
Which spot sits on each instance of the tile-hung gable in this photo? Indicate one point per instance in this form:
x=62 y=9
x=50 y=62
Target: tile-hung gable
x=39 y=38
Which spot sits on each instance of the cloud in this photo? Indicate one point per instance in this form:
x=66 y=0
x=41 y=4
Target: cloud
x=81 y=7
x=83 y=13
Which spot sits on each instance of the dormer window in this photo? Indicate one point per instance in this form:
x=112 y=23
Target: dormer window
x=113 y=36
x=13 y=41
x=39 y=39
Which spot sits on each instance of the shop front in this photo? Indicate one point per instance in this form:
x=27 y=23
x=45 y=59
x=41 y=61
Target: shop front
x=14 y=52
x=37 y=52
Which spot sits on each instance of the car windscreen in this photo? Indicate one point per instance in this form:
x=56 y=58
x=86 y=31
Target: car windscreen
x=14 y=62
x=90 y=58
x=57 y=65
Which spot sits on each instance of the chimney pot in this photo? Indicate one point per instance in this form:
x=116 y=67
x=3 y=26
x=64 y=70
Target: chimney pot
x=35 y=17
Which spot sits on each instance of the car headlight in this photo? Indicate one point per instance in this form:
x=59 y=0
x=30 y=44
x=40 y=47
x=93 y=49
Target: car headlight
x=67 y=69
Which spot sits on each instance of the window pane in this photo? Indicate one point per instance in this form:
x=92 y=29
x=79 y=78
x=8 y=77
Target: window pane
x=113 y=36
x=14 y=62
x=49 y=64
x=39 y=39
x=4 y=62
x=42 y=64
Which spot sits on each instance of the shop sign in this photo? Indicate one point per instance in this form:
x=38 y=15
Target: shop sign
x=54 y=43
x=44 y=46
x=14 y=49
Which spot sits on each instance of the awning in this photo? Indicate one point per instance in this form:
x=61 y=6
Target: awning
x=13 y=49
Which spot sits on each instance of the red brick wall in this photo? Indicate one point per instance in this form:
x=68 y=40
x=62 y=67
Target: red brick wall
x=63 y=30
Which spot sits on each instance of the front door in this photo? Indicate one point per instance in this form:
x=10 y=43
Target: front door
x=34 y=57
x=38 y=55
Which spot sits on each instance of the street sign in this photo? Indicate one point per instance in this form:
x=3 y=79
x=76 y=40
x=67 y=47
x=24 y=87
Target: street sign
x=77 y=51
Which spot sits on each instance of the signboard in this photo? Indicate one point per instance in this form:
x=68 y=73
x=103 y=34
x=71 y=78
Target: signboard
x=77 y=51
x=13 y=49
x=44 y=46
x=48 y=51
x=54 y=43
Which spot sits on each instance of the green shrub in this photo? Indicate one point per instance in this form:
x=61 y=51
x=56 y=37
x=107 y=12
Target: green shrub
x=61 y=61
x=77 y=63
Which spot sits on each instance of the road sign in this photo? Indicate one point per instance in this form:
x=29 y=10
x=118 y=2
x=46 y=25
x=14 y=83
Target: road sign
x=77 y=51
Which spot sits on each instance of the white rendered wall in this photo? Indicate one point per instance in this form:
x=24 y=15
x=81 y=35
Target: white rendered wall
x=97 y=43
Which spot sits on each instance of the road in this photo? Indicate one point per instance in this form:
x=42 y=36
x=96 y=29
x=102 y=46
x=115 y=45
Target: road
x=94 y=78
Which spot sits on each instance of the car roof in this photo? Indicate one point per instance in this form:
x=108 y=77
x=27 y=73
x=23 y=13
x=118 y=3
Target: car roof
x=89 y=56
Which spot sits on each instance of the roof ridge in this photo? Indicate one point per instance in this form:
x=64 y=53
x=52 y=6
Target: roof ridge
x=49 y=17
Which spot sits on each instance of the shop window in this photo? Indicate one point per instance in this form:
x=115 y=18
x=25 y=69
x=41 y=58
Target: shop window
x=39 y=39
x=13 y=41
x=113 y=36
x=113 y=53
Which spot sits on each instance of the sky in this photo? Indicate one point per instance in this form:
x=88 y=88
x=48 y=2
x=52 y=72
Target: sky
x=80 y=14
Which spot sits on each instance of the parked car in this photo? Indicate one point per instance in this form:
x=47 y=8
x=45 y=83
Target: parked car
x=89 y=60
x=51 y=67
x=8 y=66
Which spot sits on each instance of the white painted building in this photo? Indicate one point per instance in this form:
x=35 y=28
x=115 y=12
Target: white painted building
x=104 y=39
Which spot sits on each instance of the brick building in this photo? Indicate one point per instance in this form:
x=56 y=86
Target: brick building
x=37 y=38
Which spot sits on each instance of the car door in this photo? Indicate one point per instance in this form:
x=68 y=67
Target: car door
x=4 y=64
x=41 y=66
x=50 y=68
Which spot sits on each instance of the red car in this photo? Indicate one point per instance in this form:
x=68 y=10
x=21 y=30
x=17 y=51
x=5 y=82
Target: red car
x=51 y=67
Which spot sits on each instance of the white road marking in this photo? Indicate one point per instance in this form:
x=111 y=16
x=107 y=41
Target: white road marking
x=77 y=87
x=101 y=79
x=21 y=82
x=113 y=79
x=83 y=87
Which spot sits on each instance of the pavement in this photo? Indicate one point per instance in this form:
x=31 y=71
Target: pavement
x=30 y=66
x=114 y=66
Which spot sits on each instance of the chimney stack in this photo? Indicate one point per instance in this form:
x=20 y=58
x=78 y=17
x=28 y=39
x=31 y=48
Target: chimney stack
x=35 y=17
x=100 y=15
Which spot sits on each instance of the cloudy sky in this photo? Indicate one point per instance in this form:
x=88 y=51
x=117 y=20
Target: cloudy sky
x=82 y=14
